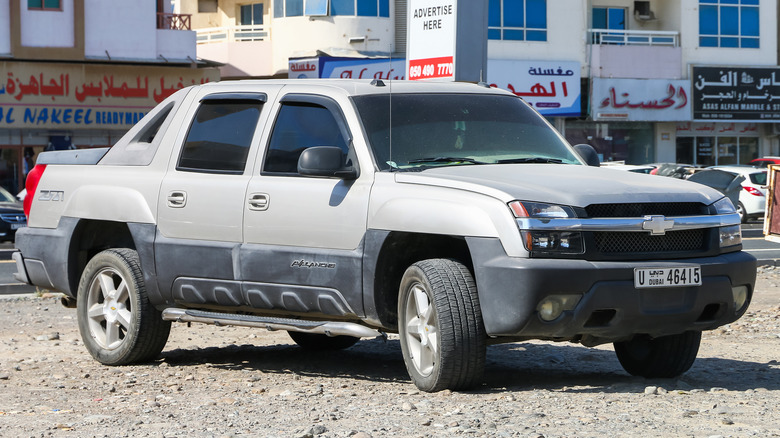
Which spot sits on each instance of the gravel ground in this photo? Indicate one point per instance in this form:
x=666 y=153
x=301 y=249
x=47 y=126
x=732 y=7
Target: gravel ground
x=230 y=381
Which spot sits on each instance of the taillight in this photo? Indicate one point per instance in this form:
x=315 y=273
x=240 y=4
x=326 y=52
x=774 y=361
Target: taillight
x=33 y=178
x=753 y=191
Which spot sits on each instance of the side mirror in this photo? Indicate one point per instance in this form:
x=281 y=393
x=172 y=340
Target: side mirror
x=327 y=161
x=588 y=154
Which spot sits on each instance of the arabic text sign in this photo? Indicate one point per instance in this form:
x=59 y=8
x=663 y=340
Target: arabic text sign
x=363 y=68
x=651 y=100
x=431 y=36
x=308 y=68
x=67 y=96
x=553 y=88
x=736 y=93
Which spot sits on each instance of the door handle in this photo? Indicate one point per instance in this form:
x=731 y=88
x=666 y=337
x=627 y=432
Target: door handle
x=177 y=199
x=258 y=201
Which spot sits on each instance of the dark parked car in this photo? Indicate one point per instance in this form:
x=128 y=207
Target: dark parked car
x=11 y=215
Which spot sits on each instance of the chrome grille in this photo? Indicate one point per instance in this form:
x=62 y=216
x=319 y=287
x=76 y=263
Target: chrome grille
x=632 y=243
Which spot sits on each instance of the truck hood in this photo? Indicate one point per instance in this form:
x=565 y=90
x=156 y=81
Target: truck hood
x=573 y=185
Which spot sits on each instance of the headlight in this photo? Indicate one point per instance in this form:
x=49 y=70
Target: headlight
x=724 y=206
x=560 y=242
x=548 y=241
x=730 y=236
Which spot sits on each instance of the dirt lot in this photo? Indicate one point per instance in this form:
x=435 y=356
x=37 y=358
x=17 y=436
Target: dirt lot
x=228 y=381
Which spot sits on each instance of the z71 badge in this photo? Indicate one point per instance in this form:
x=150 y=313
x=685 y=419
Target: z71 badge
x=51 y=195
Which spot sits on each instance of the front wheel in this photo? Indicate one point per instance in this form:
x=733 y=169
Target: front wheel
x=663 y=357
x=440 y=325
x=117 y=323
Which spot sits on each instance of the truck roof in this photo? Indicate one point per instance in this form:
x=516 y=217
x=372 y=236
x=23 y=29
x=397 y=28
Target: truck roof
x=354 y=87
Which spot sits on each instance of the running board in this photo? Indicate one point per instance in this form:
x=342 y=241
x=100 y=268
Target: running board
x=329 y=328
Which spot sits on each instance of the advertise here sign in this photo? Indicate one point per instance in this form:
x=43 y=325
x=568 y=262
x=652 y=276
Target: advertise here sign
x=431 y=36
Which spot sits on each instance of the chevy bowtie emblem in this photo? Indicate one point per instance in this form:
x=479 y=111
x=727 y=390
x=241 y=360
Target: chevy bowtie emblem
x=657 y=225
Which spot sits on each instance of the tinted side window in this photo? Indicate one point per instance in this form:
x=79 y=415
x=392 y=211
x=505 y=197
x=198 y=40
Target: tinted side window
x=220 y=136
x=299 y=126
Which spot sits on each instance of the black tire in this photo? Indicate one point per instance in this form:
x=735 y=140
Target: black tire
x=446 y=348
x=319 y=342
x=117 y=323
x=664 y=357
x=742 y=213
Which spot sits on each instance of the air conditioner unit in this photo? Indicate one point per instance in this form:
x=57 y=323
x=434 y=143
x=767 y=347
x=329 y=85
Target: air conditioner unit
x=642 y=11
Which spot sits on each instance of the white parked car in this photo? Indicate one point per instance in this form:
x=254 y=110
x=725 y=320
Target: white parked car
x=752 y=198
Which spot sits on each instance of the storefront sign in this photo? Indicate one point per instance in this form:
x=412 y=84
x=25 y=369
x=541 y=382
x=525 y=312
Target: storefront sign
x=431 y=35
x=647 y=100
x=84 y=96
x=553 y=88
x=347 y=68
x=307 y=68
x=736 y=93
x=703 y=129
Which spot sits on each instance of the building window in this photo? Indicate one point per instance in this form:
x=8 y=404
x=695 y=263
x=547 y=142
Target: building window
x=251 y=14
x=360 y=8
x=609 y=18
x=207 y=6
x=711 y=151
x=45 y=5
x=517 y=20
x=729 y=23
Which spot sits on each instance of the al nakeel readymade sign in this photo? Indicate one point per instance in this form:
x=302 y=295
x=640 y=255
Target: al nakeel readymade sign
x=431 y=34
x=649 y=100
x=85 y=96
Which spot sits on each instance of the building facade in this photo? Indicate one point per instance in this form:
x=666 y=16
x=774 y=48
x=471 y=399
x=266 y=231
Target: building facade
x=80 y=73
x=638 y=80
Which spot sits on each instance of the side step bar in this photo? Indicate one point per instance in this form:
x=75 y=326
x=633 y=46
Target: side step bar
x=329 y=328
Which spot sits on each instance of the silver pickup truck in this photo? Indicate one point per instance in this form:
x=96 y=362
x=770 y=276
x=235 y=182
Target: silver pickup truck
x=449 y=213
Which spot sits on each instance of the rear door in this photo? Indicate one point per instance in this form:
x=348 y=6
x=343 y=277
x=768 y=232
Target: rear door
x=202 y=197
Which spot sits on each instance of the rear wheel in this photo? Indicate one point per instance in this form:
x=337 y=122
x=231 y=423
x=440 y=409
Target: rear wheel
x=316 y=341
x=117 y=322
x=440 y=325
x=664 y=357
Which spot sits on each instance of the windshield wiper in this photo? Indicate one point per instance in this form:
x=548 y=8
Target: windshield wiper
x=530 y=160
x=445 y=160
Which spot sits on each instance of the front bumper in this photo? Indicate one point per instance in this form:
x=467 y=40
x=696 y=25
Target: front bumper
x=611 y=308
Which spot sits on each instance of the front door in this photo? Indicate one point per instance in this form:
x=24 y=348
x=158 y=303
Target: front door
x=304 y=235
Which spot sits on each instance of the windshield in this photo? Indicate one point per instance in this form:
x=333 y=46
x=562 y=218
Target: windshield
x=430 y=130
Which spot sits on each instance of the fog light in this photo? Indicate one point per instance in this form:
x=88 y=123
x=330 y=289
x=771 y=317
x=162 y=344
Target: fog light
x=730 y=236
x=740 y=294
x=553 y=306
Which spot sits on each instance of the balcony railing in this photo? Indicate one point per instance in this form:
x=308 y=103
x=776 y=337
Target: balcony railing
x=634 y=37
x=249 y=32
x=173 y=21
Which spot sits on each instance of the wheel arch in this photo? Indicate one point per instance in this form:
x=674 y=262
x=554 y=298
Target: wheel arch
x=393 y=252
x=90 y=237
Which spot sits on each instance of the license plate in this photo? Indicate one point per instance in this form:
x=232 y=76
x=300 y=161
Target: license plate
x=17 y=226
x=667 y=277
